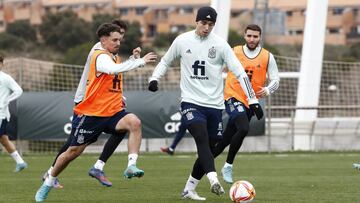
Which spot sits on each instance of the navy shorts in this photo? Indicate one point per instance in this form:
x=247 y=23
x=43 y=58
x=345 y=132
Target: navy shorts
x=192 y=113
x=87 y=129
x=235 y=108
x=3 y=127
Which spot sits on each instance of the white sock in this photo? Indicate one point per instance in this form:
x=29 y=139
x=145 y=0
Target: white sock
x=49 y=181
x=191 y=183
x=171 y=149
x=132 y=159
x=212 y=176
x=50 y=169
x=99 y=165
x=227 y=165
x=16 y=156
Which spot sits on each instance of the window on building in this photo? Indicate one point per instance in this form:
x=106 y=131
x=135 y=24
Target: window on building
x=178 y=28
x=187 y=10
x=161 y=14
x=355 y=30
x=337 y=11
x=293 y=32
x=123 y=11
x=356 y=11
x=76 y=7
x=303 y=12
x=1 y=23
x=299 y=32
x=289 y=13
x=140 y=11
x=151 y=31
x=235 y=14
x=334 y=30
x=23 y=5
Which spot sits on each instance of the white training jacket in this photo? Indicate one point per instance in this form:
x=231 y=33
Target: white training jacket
x=201 y=63
x=9 y=91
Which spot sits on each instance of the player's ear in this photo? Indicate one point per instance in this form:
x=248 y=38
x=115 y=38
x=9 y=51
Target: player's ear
x=102 y=39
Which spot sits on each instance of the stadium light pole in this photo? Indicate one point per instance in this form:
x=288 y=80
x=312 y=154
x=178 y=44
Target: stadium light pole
x=223 y=18
x=311 y=65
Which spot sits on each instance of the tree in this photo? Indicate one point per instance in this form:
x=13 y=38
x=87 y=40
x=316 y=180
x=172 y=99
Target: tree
x=354 y=52
x=99 y=19
x=235 y=39
x=78 y=55
x=164 y=39
x=132 y=39
x=22 y=29
x=271 y=49
x=65 y=30
x=11 y=42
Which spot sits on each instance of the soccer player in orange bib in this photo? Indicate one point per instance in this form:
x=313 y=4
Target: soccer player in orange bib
x=101 y=109
x=258 y=63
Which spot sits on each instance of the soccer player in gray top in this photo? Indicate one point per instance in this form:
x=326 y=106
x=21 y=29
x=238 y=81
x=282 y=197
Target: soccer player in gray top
x=202 y=57
x=9 y=91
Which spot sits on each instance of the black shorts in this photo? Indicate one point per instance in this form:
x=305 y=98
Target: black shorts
x=235 y=108
x=87 y=129
x=3 y=127
x=212 y=117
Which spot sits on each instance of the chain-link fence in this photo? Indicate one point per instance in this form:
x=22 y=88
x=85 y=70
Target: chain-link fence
x=337 y=126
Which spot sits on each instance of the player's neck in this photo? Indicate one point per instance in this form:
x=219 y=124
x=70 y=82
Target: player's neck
x=198 y=36
x=252 y=49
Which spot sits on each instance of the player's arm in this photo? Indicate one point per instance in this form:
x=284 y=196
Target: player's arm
x=105 y=64
x=238 y=70
x=15 y=89
x=163 y=65
x=273 y=75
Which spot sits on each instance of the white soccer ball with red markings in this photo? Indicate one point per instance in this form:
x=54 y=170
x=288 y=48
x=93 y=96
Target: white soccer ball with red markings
x=242 y=192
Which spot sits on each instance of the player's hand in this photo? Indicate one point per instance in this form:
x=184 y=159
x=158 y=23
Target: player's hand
x=150 y=57
x=263 y=92
x=136 y=52
x=257 y=110
x=153 y=86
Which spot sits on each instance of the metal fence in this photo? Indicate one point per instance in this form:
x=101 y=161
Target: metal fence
x=336 y=128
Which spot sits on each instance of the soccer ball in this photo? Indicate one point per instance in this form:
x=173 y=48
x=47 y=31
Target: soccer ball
x=242 y=192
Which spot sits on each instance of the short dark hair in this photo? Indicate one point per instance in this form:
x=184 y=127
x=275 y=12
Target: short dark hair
x=1 y=59
x=253 y=27
x=120 y=23
x=106 y=29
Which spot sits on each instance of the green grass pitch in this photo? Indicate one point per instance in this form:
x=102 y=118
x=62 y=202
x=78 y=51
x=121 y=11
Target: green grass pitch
x=281 y=178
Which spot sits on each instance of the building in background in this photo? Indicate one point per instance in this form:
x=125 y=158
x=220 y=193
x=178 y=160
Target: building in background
x=285 y=19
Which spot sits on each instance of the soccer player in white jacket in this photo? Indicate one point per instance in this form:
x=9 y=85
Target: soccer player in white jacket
x=202 y=57
x=9 y=91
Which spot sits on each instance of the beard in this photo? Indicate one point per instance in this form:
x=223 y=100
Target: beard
x=252 y=48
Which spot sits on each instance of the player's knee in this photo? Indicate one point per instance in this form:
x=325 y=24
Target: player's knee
x=135 y=124
x=73 y=152
x=225 y=142
x=4 y=140
x=243 y=129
